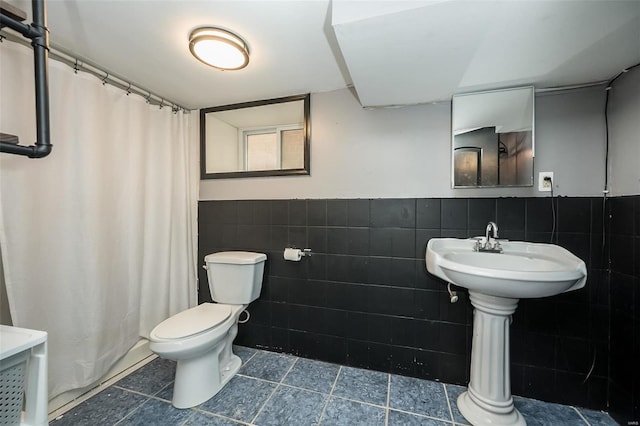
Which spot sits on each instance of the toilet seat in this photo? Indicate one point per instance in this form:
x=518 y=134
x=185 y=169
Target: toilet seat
x=192 y=321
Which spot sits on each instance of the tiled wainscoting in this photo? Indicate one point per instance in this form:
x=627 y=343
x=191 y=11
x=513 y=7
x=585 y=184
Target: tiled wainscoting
x=281 y=390
x=624 y=238
x=364 y=298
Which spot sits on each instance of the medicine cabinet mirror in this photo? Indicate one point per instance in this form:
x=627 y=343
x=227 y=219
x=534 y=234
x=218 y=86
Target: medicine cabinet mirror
x=493 y=138
x=260 y=138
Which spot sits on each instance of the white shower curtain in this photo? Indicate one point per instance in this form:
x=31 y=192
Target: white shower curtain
x=99 y=238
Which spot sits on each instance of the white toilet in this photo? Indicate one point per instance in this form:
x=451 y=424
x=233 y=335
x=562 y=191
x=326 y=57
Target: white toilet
x=200 y=339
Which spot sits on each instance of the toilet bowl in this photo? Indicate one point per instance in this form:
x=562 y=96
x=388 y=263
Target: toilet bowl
x=200 y=339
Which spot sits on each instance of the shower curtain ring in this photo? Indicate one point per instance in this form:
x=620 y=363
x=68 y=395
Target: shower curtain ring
x=129 y=89
x=2 y=38
x=104 y=80
x=75 y=67
x=161 y=103
x=148 y=97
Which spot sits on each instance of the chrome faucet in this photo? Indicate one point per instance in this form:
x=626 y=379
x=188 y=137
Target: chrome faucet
x=492 y=231
x=491 y=243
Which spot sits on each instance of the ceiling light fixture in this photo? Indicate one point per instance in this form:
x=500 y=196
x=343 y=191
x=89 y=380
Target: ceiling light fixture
x=219 y=48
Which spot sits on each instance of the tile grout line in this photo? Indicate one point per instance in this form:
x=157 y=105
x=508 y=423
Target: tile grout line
x=274 y=391
x=253 y=421
x=446 y=394
x=364 y=402
x=231 y=419
x=130 y=413
x=581 y=416
x=326 y=404
x=186 y=421
x=425 y=416
x=326 y=394
x=248 y=359
x=313 y=391
x=281 y=384
x=386 y=411
x=146 y=395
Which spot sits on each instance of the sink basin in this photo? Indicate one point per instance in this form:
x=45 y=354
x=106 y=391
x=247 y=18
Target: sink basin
x=523 y=270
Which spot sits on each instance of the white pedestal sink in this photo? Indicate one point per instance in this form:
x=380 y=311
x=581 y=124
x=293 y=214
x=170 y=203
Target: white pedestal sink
x=496 y=281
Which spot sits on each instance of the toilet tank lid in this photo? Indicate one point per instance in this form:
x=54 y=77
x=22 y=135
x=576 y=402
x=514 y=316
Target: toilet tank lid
x=235 y=257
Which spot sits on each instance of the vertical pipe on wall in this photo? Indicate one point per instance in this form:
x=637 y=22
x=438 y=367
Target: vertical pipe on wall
x=40 y=59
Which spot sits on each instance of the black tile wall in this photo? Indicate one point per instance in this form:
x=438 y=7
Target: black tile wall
x=624 y=255
x=364 y=298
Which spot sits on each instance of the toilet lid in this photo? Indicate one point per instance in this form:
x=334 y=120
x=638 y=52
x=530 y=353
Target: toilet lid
x=192 y=321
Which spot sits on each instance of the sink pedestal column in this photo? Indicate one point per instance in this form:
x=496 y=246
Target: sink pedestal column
x=488 y=399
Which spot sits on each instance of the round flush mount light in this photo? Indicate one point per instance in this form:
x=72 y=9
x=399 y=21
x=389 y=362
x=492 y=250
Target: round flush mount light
x=219 y=48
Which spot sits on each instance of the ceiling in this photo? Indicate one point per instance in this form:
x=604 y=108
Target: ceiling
x=427 y=50
x=391 y=52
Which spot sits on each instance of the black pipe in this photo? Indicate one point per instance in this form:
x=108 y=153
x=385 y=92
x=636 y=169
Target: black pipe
x=40 y=41
x=26 y=30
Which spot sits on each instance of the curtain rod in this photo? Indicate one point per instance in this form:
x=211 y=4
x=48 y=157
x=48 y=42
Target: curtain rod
x=106 y=77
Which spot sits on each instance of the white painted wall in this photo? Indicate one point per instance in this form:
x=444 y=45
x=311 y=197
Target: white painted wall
x=405 y=152
x=624 y=135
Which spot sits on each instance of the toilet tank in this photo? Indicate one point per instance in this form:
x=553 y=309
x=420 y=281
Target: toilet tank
x=235 y=277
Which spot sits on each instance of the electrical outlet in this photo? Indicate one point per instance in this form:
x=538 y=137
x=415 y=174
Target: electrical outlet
x=545 y=181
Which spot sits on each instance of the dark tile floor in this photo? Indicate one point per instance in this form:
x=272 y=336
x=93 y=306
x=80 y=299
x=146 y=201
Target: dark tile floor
x=276 y=389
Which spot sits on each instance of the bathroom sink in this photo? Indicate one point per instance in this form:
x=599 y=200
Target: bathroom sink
x=522 y=270
x=497 y=276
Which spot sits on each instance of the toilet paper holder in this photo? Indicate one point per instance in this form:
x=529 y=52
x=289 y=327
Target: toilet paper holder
x=304 y=252
x=295 y=254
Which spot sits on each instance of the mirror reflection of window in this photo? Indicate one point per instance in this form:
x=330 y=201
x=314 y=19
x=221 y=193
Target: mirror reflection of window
x=292 y=149
x=262 y=151
x=281 y=148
